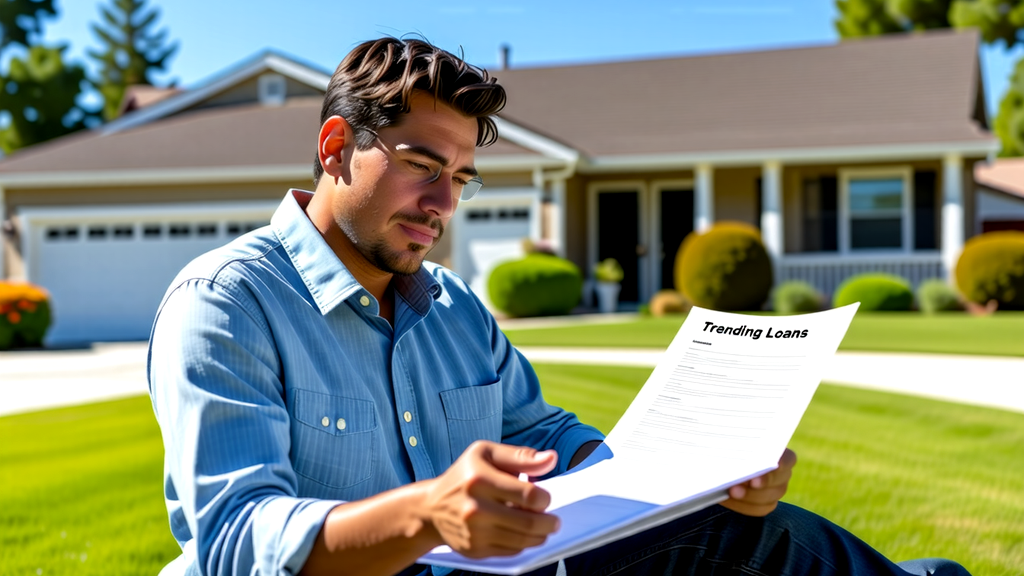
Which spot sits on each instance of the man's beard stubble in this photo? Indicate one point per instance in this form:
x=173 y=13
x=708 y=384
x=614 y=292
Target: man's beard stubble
x=391 y=261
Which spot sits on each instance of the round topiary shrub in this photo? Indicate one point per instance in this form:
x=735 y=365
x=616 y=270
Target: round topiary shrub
x=24 y=315
x=795 y=296
x=935 y=295
x=538 y=285
x=991 y=267
x=875 y=292
x=724 y=268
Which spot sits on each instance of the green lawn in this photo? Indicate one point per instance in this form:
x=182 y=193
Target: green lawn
x=82 y=492
x=912 y=477
x=82 y=486
x=952 y=333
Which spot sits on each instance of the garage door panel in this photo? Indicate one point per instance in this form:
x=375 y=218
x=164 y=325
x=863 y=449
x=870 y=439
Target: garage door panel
x=108 y=287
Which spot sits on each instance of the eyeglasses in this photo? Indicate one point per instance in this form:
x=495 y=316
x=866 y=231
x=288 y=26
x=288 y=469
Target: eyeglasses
x=418 y=162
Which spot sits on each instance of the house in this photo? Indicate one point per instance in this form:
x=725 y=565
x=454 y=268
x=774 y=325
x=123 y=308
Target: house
x=1000 y=200
x=850 y=157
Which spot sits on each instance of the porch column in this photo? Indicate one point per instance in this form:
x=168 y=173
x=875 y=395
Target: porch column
x=771 y=210
x=952 y=212
x=704 y=211
x=557 y=229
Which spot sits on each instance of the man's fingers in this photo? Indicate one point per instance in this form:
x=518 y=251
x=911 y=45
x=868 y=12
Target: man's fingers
x=517 y=459
x=501 y=487
x=518 y=521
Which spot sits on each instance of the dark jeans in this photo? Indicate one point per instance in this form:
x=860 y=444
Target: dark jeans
x=717 y=542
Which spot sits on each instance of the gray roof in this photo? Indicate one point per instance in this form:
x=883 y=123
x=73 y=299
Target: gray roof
x=911 y=89
x=905 y=89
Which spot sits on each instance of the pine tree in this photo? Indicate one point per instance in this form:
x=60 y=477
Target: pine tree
x=132 y=50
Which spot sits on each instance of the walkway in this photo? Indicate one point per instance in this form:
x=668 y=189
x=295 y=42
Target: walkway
x=42 y=379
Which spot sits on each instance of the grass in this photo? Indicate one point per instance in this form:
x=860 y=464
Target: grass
x=82 y=486
x=912 y=477
x=82 y=492
x=1001 y=334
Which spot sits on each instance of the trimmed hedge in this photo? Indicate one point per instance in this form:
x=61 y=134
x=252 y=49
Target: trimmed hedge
x=875 y=292
x=24 y=315
x=935 y=295
x=795 y=296
x=537 y=285
x=991 y=267
x=724 y=268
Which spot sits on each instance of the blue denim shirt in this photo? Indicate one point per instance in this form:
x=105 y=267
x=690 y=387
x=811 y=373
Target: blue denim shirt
x=281 y=393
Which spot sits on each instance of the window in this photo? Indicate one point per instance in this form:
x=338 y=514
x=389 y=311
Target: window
x=877 y=210
x=876 y=213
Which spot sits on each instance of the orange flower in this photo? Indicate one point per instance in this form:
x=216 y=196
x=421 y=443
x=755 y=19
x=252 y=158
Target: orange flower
x=27 y=306
x=14 y=317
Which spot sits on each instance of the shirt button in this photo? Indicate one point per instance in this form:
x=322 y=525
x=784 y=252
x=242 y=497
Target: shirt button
x=341 y=424
x=412 y=441
x=364 y=300
x=407 y=416
x=326 y=421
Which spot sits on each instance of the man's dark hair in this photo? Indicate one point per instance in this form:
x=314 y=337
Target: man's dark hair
x=374 y=85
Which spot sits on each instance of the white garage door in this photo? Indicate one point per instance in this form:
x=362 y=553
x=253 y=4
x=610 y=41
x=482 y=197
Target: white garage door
x=106 y=270
x=490 y=230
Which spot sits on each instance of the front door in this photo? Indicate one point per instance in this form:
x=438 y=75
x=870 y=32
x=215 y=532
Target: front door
x=618 y=236
x=676 y=221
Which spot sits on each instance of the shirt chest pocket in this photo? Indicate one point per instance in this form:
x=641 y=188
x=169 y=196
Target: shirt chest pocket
x=472 y=413
x=334 y=438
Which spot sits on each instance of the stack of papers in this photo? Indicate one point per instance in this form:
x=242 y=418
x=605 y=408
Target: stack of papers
x=718 y=410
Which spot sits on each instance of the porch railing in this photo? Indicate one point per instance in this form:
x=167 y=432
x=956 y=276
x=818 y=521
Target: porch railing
x=827 y=271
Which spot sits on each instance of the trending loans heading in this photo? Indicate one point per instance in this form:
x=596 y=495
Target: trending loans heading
x=755 y=334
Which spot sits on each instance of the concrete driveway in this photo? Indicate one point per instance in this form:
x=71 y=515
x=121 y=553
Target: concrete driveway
x=35 y=380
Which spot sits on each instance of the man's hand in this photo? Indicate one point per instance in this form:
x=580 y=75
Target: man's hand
x=758 y=497
x=479 y=506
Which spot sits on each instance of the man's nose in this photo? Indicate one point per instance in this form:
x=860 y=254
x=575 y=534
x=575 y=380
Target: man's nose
x=439 y=198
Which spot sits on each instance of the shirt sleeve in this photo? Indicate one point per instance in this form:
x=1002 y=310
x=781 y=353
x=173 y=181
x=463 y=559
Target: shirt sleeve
x=214 y=378
x=528 y=419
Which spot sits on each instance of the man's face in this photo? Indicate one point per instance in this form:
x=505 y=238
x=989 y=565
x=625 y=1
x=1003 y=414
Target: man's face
x=392 y=213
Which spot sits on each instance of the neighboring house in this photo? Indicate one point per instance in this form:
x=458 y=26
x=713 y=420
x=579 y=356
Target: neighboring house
x=1000 y=202
x=852 y=157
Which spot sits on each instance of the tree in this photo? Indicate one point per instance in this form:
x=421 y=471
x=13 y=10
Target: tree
x=40 y=90
x=132 y=50
x=40 y=93
x=1009 y=121
x=20 y=19
x=859 y=18
x=996 y=19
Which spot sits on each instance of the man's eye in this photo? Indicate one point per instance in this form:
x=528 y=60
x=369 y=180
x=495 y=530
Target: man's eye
x=459 y=181
x=417 y=166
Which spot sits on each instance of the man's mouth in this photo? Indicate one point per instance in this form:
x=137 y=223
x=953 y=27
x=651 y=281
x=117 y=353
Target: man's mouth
x=420 y=234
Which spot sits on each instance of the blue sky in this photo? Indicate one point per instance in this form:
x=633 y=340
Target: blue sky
x=213 y=34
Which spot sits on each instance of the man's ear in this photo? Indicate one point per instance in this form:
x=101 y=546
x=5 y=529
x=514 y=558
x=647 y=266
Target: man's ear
x=335 y=141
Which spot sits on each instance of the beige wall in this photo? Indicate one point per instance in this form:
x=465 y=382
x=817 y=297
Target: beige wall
x=736 y=195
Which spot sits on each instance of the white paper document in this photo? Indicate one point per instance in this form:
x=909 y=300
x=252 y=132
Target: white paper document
x=718 y=410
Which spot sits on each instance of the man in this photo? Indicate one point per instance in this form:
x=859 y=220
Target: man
x=331 y=404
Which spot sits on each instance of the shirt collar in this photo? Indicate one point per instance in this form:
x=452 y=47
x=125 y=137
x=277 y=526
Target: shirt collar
x=325 y=276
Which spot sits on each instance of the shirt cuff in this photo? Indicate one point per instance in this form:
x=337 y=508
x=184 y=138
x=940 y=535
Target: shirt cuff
x=302 y=520
x=572 y=441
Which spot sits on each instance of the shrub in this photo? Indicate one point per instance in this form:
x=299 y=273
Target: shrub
x=724 y=268
x=537 y=285
x=668 y=302
x=874 y=291
x=935 y=295
x=796 y=296
x=991 y=267
x=608 y=270
x=24 y=315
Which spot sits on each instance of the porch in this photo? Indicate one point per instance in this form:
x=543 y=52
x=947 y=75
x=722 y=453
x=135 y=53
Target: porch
x=826 y=272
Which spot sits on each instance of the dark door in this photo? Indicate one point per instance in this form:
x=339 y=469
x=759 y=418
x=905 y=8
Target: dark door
x=676 y=222
x=618 y=236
